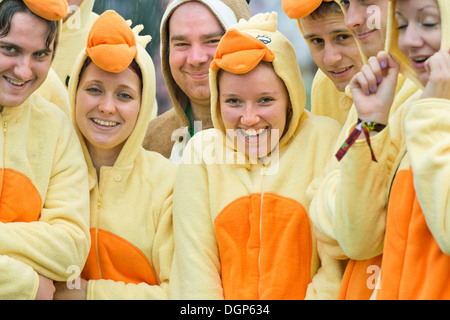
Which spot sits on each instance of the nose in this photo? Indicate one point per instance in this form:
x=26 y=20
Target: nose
x=23 y=69
x=107 y=105
x=331 y=55
x=411 y=38
x=198 y=55
x=250 y=116
x=355 y=17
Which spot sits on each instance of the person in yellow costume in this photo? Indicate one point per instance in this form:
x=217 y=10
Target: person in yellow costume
x=112 y=90
x=351 y=190
x=333 y=49
x=44 y=192
x=241 y=225
x=416 y=260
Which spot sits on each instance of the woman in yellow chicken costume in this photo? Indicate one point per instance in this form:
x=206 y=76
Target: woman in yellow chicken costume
x=241 y=226
x=130 y=188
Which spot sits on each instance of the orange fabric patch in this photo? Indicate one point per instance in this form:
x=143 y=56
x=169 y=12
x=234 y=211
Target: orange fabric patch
x=20 y=201
x=296 y=9
x=52 y=10
x=414 y=267
x=239 y=53
x=264 y=255
x=114 y=258
x=111 y=43
x=359 y=279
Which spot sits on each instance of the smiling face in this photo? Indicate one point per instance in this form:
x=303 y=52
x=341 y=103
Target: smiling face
x=25 y=58
x=332 y=47
x=107 y=107
x=419 y=24
x=254 y=107
x=194 y=33
x=367 y=19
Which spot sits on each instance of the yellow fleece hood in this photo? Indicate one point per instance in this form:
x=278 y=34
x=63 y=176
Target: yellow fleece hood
x=392 y=38
x=276 y=48
x=144 y=61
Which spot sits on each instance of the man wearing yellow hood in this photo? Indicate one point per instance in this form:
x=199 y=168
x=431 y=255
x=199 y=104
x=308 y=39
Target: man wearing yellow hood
x=333 y=49
x=416 y=260
x=112 y=91
x=44 y=204
x=241 y=226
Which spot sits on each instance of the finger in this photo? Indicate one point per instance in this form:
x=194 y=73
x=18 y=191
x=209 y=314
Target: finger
x=382 y=58
x=374 y=64
x=359 y=81
x=370 y=78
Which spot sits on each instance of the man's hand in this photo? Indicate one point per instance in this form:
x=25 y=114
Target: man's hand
x=373 y=88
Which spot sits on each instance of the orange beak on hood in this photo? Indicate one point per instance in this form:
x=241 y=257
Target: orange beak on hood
x=111 y=43
x=239 y=53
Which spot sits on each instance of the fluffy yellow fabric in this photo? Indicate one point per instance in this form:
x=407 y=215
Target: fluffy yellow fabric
x=52 y=159
x=54 y=91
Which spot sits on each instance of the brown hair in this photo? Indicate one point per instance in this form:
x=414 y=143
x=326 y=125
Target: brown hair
x=8 y=8
x=325 y=9
x=133 y=66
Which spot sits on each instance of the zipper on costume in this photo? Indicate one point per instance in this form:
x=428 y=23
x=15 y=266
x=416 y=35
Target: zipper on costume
x=5 y=127
x=99 y=202
x=264 y=171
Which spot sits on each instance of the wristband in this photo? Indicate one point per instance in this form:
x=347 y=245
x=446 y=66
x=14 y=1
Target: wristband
x=362 y=126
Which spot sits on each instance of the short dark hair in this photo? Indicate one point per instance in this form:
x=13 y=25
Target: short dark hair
x=325 y=9
x=8 y=8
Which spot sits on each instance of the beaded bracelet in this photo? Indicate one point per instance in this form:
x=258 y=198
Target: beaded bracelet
x=362 y=126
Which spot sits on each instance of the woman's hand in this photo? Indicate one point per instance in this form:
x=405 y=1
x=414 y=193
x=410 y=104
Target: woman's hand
x=438 y=69
x=373 y=88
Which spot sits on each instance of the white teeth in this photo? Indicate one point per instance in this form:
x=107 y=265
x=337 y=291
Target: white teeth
x=422 y=59
x=253 y=132
x=16 y=83
x=105 y=123
x=342 y=70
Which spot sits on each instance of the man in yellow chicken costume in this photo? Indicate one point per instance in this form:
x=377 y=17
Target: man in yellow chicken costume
x=44 y=193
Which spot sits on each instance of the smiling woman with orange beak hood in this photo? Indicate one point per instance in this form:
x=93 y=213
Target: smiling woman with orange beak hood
x=112 y=91
x=241 y=225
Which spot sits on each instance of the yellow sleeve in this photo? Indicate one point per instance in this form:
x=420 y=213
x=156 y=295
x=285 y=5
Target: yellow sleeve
x=60 y=239
x=326 y=283
x=18 y=281
x=196 y=271
x=53 y=90
x=162 y=262
x=427 y=129
x=349 y=207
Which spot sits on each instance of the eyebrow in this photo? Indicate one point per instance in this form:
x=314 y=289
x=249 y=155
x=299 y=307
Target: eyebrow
x=181 y=37
x=314 y=35
x=12 y=45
